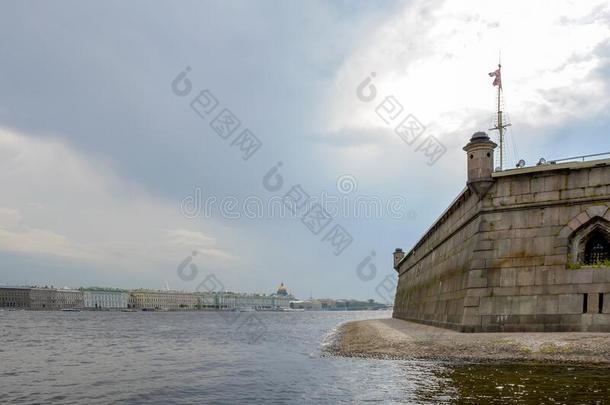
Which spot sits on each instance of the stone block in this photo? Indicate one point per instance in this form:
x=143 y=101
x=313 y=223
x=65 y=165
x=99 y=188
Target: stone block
x=574 y=224
x=572 y=193
x=520 y=186
x=537 y=185
x=586 y=320
x=544 y=276
x=578 y=179
x=549 y=318
x=599 y=177
x=503 y=247
x=546 y=196
x=571 y=319
x=583 y=217
x=501 y=305
x=526 y=276
x=478 y=292
x=486 y=305
x=550 y=216
x=469 y=321
x=601 y=275
x=476 y=278
x=504 y=201
x=502 y=188
x=477 y=264
x=493 y=277
x=503 y=291
x=570 y=303
x=593 y=288
x=549 y=230
x=547 y=304
x=562 y=276
x=487 y=226
x=592 y=303
x=598 y=191
x=529 y=261
x=600 y=319
x=543 y=245
x=606 y=303
x=531 y=290
x=560 y=250
x=560 y=289
x=485 y=245
x=523 y=305
x=494 y=263
x=565 y=232
x=471 y=301
x=552 y=183
x=551 y=260
x=552 y=327
x=580 y=276
x=508 y=277
x=597 y=211
x=524 y=199
x=471 y=312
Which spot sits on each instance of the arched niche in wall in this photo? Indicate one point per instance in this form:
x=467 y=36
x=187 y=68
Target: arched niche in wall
x=590 y=243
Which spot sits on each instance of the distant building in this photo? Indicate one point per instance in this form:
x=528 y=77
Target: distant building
x=51 y=298
x=282 y=302
x=45 y=298
x=206 y=300
x=281 y=299
x=309 y=305
x=328 y=303
x=66 y=299
x=15 y=297
x=162 y=300
x=99 y=299
x=231 y=300
x=282 y=291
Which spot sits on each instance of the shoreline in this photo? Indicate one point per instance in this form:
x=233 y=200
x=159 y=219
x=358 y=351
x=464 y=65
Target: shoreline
x=396 y=339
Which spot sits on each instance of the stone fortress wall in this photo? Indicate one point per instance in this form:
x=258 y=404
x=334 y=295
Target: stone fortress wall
x=525 y=249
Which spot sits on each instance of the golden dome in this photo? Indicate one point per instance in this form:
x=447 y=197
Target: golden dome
x=282 y=290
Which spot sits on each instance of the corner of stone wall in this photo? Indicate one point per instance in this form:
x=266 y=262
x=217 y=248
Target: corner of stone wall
x=477 y=283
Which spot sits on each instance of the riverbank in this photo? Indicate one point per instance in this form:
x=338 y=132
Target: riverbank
x=398 y=339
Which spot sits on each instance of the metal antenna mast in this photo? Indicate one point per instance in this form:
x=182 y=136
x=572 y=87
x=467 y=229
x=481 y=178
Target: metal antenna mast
x=500 y=125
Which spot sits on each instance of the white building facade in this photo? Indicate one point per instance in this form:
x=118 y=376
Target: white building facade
x=105 y=299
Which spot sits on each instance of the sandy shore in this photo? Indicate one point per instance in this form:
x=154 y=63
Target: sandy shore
x=398 y=339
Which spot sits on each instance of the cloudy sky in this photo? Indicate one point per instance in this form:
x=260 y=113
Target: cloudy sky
x=108 y=176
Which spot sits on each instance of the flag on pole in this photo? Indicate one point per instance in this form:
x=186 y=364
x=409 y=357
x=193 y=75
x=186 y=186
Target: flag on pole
x=498 y=79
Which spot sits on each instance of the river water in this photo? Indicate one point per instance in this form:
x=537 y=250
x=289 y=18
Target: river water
x=262 y=357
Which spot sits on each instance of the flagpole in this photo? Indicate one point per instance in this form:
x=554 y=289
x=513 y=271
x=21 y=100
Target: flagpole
x=500 y=127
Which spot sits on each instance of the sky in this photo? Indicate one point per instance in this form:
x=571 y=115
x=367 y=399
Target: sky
x=118 y=167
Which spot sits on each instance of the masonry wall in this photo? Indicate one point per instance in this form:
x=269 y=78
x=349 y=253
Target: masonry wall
x=502 y=263
x=527 y=222
x=434 y=278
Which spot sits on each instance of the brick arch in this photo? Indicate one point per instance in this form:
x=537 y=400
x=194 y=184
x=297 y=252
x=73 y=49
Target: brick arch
x=584 y=217
x=579 y=228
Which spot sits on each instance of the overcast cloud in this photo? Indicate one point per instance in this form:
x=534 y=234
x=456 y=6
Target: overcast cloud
x=97 y=154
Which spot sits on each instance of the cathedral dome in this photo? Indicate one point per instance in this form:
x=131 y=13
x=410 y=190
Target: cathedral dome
x=282 y=290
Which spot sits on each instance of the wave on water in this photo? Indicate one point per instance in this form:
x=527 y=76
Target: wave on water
x=330 y=342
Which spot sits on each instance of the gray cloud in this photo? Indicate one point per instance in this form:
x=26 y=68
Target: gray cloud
x=94 y=78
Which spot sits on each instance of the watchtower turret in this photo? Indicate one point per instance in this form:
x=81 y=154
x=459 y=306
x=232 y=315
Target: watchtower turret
x=398 y=255
x=480 y=157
